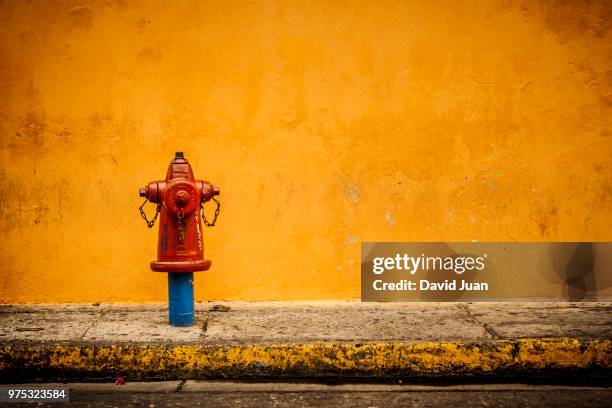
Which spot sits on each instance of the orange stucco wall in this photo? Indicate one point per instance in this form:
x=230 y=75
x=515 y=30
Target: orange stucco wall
x=326 y=123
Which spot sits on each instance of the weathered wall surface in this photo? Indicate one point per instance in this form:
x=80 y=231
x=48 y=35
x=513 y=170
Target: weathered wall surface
x=325 y=123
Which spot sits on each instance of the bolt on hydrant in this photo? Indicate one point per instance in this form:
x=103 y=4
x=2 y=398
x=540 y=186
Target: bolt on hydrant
x=180 y=199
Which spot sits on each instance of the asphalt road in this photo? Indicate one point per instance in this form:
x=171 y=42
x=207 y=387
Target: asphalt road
x=596 y=398
x=232 y=394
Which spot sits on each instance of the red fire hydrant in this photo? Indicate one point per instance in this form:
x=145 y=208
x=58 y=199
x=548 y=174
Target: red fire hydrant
x=180 y=199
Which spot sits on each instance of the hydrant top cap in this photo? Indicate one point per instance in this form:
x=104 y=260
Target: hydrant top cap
x=178 y=155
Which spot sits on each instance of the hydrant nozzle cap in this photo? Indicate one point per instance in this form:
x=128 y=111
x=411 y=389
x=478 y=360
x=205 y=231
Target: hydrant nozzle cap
x=178 y=155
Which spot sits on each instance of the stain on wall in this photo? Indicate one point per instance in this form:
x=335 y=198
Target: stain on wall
x=325 y=123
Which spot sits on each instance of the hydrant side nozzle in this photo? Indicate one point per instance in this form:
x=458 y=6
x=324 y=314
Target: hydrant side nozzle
x=154 y=191
x=216 y=191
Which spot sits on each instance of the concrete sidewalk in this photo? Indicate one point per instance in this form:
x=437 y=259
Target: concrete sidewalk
x=315 y=339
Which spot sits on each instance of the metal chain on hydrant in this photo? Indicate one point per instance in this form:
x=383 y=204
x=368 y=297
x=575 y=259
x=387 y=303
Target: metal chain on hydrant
x=179 y=224
x=217 y=210
x=144 y=216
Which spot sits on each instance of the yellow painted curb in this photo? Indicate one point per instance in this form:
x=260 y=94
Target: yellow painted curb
x=147 y=361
